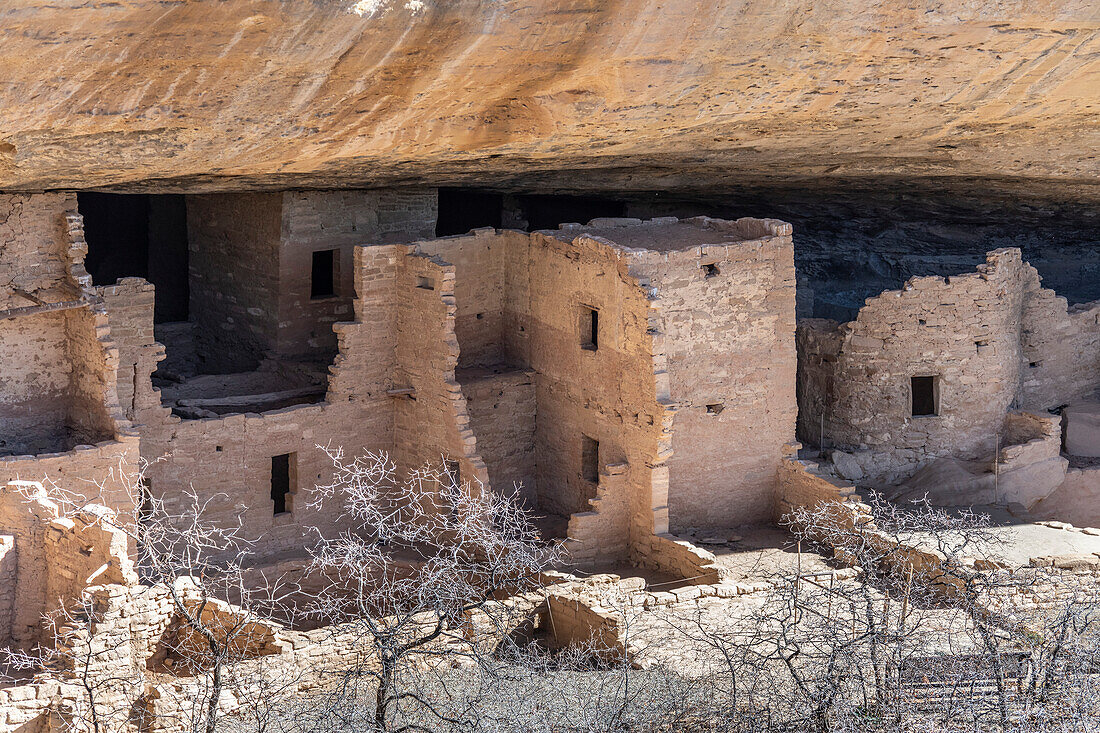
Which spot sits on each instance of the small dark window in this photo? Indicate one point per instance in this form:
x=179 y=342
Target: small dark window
x=715 y=408
x=711 y=270
x=1034 y=364
x=924 y=396
x=590 y=329
x=590 y=459
x=426 y=283
x=282 y=481
x=922 y=322
x=323 y=282
x=218 y=449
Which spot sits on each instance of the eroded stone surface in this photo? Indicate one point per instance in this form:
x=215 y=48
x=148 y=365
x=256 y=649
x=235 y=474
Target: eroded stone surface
x=654 y=94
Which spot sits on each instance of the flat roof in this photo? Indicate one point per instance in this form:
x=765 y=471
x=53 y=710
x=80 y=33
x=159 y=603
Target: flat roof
x=666 y=234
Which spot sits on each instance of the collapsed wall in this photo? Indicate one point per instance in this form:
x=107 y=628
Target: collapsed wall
x=56 y=362
x=933 y=370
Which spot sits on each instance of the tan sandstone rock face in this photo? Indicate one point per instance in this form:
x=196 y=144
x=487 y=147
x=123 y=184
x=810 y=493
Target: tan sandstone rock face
x=657 y=93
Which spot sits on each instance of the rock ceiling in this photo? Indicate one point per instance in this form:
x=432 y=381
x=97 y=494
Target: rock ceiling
x=568 y=94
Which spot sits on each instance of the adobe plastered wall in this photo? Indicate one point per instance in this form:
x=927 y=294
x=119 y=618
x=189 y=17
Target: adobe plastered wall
x=994 y=339
x=337 y=220
x=432 y=423
x=233 y=241
x=490 y=272
x=520 y=307
x=725 y=326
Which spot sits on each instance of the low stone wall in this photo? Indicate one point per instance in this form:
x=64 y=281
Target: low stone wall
x=670 y=554
x=807 y=484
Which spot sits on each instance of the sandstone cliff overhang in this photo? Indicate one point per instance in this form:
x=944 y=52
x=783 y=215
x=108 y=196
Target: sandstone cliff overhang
x=653 y=94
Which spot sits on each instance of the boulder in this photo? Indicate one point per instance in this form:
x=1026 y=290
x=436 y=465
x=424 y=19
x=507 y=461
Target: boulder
x=1083 y=429
x=847 y=466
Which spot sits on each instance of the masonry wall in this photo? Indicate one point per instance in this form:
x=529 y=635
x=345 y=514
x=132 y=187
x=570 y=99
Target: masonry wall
x=607 y=394
x=337 y=220
x=227 y=460
x=33 y=246
x=531 y=293
x=56 y=368
x=502 y=415
x=36 y=373
x=727 y=335
x=963 y=330
x=484 y=282
x=48 y=560
x=9 y=567
x=1061 y=350
x=432 y=424
x=130 y=304
x=233 y=241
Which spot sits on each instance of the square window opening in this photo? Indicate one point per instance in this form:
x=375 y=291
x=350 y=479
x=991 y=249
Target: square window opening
x=925 y=394
x=425 y=283
x=323 y=277
x=284 y=469
x=590 y=328
x=715 y=408
x=590 y=459
x=711 y=270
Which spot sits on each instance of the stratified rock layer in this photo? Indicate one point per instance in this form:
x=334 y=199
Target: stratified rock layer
x=656 y=93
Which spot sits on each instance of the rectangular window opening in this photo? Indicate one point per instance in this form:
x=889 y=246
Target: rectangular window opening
x=925 y=392
x=715 y=408
x=283 y=470
x=590 y=328
x=426 y=283
x=453 y=473
x=590 y=459
x=323 y=278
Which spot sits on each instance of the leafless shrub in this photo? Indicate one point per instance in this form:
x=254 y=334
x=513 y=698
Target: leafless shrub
x=217 y=618
x=420 y=579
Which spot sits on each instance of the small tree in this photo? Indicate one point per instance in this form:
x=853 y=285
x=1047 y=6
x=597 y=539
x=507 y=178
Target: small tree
x=420 y=580
x=217 y=613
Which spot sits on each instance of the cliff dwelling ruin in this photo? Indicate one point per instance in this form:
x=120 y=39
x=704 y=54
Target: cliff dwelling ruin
x=669 y=281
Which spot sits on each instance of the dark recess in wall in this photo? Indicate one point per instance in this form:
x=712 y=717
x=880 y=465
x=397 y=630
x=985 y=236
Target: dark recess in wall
x=461 y=210
x=549 y=211
x=139 y=235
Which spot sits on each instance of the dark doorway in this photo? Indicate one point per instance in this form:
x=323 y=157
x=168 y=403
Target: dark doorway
x=590 y=459
x=283 y=468
x=139 y=235
x=547 y=212
x=322 y=283
x=924 y=396
x=461 y=210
